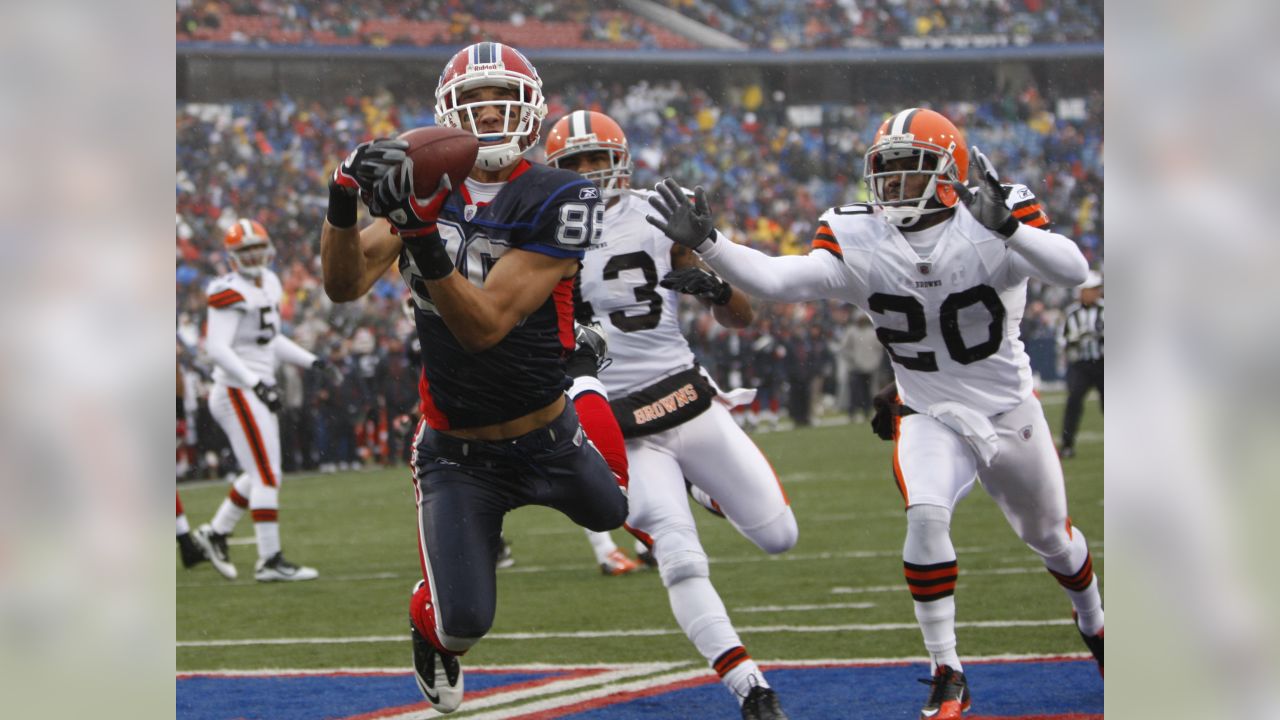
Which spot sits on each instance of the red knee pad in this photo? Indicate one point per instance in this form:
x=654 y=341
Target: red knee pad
x=601 y=427
x=422 y=611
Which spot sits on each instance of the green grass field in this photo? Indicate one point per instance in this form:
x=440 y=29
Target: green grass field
x=359 y=530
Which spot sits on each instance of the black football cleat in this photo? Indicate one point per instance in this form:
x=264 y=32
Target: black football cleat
x=1093 y=642
x=439 y=675
x=948 y=695
x=762 y=704
x=192 y=554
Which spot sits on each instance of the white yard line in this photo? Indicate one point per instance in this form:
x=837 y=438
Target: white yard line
x=642 y=632
x=804 y=608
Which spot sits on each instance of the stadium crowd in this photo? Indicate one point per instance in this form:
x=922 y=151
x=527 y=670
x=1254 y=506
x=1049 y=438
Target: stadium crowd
x=890 y=23
x=769 y=180
x=760 y=24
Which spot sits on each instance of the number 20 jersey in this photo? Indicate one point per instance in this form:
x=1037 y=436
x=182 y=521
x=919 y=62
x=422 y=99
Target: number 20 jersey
x=539 y=209
x=949 y=321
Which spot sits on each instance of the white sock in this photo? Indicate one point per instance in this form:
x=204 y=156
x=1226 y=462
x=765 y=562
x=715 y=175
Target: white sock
x=268 y=535
x=937 y=620
x=602 y=544
x=184 y=527
x=224 y=521
x=701 y=614
x=1088 y=606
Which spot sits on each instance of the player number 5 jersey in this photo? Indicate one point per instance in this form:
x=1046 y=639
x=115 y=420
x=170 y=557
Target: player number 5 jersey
x=258 y=323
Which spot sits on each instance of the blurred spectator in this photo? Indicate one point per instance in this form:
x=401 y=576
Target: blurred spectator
x=860 y=353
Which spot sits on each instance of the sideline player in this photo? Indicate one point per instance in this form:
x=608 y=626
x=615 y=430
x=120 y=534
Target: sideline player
x=245 y=344
x=942 y=271
x=675 y=420
x=491 y=267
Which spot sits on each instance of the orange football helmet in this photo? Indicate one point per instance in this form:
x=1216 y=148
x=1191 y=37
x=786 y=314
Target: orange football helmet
x=588 y=131
x=940 y=153
x=248 y=247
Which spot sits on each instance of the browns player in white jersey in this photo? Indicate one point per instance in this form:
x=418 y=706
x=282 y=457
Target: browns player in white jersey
x=675 y=420
x=245 y=344
x=942 y=271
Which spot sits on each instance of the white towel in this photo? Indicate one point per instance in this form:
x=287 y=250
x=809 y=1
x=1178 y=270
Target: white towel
x=971 y=425
x=736 y=397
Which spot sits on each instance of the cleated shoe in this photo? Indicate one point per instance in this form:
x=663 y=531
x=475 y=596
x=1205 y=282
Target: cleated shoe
x=277 y=569
x=439 y=675
x=1093 y=642
x=192 y=554
x=762 y=704
x=949 y=696
x=214 y=545
x=617 y=563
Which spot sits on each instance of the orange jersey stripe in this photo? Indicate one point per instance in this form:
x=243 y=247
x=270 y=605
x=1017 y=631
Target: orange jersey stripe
x=897 y=467
x=266 y=515
x=237 y=499
x=831 y=247
x=1028 y=210
x=225 y=298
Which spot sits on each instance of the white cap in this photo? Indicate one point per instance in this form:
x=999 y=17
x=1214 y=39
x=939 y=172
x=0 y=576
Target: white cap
x=1092 y=281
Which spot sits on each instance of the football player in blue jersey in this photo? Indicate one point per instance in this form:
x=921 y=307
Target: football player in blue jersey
x=491 y=267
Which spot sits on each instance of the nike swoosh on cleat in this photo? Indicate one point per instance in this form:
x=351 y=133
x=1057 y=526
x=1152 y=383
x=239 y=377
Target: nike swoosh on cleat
x=928 y=713
x=434 y=699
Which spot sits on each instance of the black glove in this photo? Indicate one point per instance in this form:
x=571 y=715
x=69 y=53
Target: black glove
x=591 y=355
x=269 y=395
x=687 y=224
x=331 y=371
x=414 y=218
x=987 y=206
x=358 y=173
x=886 y=406
x=699 y=283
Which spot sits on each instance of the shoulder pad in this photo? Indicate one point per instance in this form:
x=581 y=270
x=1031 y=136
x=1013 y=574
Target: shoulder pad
x=224 y=291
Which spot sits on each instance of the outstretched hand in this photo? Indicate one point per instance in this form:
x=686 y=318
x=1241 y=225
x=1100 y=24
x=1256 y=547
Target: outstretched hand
x=987 y=205
x=688 y=224
x=395 y=198
x=699 y=283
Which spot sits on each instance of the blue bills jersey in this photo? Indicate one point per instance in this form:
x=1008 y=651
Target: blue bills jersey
x=539 y=209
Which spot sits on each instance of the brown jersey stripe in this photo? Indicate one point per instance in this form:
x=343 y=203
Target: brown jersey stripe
x=1038 y=221
x=1079 y=580
x=260 y=457
x=933 y=594
x=730 y=659
x=927 y=577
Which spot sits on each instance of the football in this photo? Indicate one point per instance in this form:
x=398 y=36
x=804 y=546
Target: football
x=436 y=151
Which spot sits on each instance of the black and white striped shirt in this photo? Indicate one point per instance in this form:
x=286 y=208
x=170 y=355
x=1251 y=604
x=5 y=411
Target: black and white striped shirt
x=1080 y=334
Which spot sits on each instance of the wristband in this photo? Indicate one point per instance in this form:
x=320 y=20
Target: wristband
x=429 y=253
x=1009 y=227
x=342 y=206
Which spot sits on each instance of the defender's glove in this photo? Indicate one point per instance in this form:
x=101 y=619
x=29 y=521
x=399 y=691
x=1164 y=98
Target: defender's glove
x=886 y=407
x=591 y=356
x=269 y=395
x=987 y=206
x=414 y=218
x=331 y=371
x=699 y=283
x=358 y=173
x=688 y=224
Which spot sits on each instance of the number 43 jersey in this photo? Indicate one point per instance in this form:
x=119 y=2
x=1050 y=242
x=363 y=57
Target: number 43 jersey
x=620 y=289
x=258 y=323
x=949 y=321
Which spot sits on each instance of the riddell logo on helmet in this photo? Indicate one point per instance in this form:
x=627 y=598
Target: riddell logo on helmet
x=482 y=67
x=904 y=137
x=579 y=139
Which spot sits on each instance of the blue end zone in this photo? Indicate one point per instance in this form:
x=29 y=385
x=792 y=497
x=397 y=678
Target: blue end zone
x=1055 y=689
x=1000 y=690
x=310 y=697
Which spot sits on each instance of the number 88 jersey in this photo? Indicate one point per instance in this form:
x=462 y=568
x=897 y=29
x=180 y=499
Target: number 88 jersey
x=949 y=321
x=620 y=289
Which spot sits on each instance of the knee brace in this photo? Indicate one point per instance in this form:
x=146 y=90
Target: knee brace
x=928 y=535
x=680 y=555
x=777 y=535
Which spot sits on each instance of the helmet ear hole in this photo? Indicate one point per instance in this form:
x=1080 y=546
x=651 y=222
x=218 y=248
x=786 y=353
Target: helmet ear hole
x=947 y=194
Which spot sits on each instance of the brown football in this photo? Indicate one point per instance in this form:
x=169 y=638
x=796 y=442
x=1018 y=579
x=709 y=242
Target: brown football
x=437 y=150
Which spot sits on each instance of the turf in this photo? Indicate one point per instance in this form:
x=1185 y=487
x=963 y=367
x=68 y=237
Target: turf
x=359 y=530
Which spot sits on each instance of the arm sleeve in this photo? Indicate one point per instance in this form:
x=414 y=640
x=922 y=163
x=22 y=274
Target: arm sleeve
x=291 y=352
x=1048 y=256
x=222 y=328
x=789 y=278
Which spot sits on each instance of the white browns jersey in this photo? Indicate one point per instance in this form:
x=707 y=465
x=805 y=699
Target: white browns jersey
x=620 y=284
x=258 y=323
x=950 y=320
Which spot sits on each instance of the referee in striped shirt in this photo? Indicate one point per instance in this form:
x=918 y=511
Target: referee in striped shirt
x=1080 y=340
